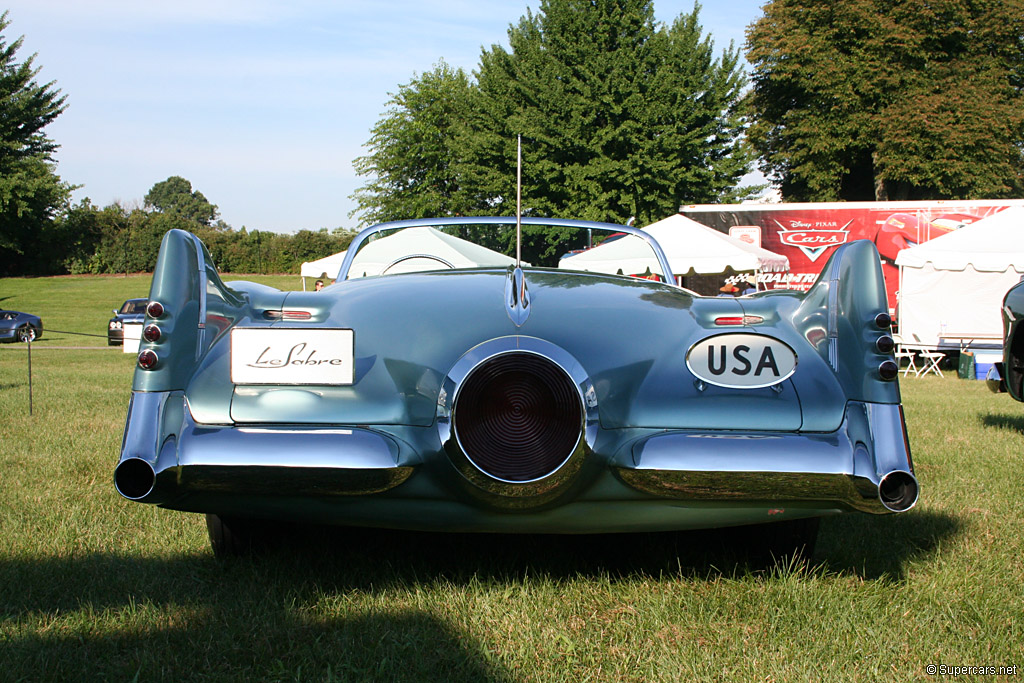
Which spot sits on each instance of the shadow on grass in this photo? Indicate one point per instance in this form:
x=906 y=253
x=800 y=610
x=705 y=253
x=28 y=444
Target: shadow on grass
x=261 y=617
x=375 y=561
x=1014 y=423
x=873 y=547
x=227 y=642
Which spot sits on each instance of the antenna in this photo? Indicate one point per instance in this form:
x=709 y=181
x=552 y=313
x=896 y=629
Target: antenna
x=519 y=200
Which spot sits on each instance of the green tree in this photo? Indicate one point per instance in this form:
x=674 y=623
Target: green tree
x=175 y=196
x=875 y=99
x=620 y=116
x=410 y=166
x=31 y=193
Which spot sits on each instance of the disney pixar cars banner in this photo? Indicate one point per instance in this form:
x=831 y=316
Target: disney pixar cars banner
x=808 y=233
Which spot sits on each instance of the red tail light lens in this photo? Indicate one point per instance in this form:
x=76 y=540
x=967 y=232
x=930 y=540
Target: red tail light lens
x=154 y=309
x=287 y=315
x=739 y=320
x=151 y=333
x=148 y=360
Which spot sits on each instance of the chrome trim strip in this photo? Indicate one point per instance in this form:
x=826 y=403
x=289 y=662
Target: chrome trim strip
x=843 y=468
x=833 y=314
x=203 y=284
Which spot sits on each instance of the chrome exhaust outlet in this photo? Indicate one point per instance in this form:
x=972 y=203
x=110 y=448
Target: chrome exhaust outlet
x=898 y=491
x=143 y=456
x=134 y=478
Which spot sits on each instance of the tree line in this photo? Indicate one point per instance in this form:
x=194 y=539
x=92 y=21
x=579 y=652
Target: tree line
x=621 y=117
x=121 y=239
x=43 y=233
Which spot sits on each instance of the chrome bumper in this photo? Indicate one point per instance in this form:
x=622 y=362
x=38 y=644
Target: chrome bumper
x=864 y=466
x=994 y=379
x=303 y=461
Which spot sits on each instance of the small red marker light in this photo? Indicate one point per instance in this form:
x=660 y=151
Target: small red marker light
x=154 y=309
x=148 y=360
x=151 y=333
x=739 y=320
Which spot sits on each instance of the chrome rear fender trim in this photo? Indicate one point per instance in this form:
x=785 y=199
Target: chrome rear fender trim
x=165 y=448
x=865 y=465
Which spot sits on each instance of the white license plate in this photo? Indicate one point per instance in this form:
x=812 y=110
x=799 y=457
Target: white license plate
x=277 y=355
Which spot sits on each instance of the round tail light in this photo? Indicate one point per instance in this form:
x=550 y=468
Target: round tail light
x=151 y=333
x=148 y=359
x=154 y=309
x=888 y=370
x=518 y=417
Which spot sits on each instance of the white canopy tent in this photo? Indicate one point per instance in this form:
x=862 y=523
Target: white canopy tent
x=691 y=248
x=952 y=287
x=328 y=266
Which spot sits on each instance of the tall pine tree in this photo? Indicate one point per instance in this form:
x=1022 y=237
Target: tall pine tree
x=619 y=116
x=30 y=191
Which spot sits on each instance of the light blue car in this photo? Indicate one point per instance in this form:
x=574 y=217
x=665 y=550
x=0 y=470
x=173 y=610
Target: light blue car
x=19 y=327
x=475 y=375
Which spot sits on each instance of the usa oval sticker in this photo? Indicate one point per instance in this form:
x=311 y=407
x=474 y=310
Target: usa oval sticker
x=740 y=360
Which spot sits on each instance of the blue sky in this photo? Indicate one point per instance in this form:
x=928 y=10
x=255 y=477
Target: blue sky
x=261 y=104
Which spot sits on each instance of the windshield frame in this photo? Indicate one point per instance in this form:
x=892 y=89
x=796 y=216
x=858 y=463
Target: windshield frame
x=365 y=235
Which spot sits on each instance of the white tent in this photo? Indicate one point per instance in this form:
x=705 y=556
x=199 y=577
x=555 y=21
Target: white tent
x=952 y=287
x=691 y=248
x=423 y=248
x=327 y=266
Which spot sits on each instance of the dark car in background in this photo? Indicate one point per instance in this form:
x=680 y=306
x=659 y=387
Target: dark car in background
x=1008 y=376
x=19 y=327
x=131 y=311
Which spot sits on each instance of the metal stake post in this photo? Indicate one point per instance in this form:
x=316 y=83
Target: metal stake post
x=29 y=342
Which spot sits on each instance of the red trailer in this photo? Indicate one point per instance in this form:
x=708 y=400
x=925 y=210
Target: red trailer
x=808 y=233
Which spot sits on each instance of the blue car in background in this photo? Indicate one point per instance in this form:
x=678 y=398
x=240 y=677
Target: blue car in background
x=19 y=327
x=131 y=311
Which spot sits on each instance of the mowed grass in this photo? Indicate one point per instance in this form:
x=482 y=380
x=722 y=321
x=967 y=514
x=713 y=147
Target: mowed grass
x=93 y=587
x=76 y=308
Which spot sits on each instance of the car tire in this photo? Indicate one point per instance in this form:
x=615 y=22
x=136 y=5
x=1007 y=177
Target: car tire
x=779 y=543
x=233 y=536
x=26 y=333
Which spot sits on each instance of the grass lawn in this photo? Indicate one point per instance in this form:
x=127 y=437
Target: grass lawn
x=93 y=587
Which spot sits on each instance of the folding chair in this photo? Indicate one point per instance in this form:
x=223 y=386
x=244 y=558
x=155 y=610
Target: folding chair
x=902 y=353
x=929 y=359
